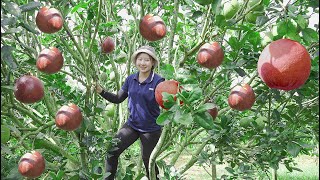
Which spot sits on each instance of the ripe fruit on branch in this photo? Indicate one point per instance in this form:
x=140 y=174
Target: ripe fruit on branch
x=107 y=45
x=241 y=97
x=50 y=60
x=31 y=165
x=28 y=89
x=169 y=86
x=49 y=20
x=68 y=117
x=210 y=55
x=152 y=28
x=213 y=112
x=284 y=64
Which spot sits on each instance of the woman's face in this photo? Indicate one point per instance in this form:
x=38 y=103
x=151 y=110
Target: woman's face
x=144 y=62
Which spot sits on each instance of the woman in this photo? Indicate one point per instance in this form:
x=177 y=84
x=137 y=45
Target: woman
x=144 y=110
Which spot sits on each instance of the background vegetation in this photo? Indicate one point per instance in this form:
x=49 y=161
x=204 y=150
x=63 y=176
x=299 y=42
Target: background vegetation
x=249 y=147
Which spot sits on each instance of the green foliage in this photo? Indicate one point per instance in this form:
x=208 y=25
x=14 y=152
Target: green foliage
x=280 y=126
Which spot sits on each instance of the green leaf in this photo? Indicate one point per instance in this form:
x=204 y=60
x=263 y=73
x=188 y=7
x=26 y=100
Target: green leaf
x=310 y=35
x=262 y=20
x=163 y=118
x=196 y=94
x=293 y=149
x=205 y=107
x=28 y=28
x=296 y=169
x=301 y=21
x=234 y=43
x=240 y=71
x=167 y=70
x=168 y=100
x=204 y=120
x=7 y=87
x=12 y=31
x=83 y=5
x=183 y=118
x=6 y=55
x=30 y=6
x=13 y=9
x=230 y=170
x=286 y=27
x=196 y=14
x=8 y=21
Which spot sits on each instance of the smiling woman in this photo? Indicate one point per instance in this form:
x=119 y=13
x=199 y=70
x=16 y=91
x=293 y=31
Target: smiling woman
x=139 y=88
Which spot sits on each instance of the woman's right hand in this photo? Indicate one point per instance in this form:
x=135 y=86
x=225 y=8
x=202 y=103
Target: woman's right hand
x=98 y=88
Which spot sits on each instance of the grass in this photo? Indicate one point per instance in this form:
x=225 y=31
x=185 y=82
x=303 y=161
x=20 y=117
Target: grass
x=309 y=166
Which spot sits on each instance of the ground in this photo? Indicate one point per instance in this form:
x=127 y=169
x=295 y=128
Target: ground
x=309 y=165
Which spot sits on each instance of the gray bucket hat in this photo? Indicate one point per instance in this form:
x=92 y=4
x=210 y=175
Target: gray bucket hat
x=145 y=49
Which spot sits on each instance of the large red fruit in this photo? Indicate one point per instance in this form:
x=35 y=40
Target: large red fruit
x=49 y=20
x=28 y=89
x=284 y=64
x=210 y=55
x=31 y=165
x=107 y=45
x=152 y=28
x=169 y=86
x=241 y=97
x=50 y=60
x=213 y=112
x=69 y=117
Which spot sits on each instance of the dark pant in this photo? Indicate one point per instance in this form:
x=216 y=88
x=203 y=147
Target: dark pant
x=127 y=136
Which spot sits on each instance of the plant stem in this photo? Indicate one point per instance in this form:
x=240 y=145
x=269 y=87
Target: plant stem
x=172 y=32
x=156 y=151
x=27 y=112
x=37 y=131
x=194 y=157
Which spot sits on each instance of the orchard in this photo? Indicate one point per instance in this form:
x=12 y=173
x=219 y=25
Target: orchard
x=241 y=86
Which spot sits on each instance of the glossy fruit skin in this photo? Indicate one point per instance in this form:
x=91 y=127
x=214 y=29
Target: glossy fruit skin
x=210 y=55
x=242 y=97
x=49 y=20
x=31 y=165
x=169 y=86
x=69 y=117
x=213 y=112
x=107 y=45
x=50 y=60
x=284 y=64
x=152 y=28
x=28 y=89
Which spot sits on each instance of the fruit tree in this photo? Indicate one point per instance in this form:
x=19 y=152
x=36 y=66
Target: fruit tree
x=244 y=85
